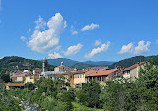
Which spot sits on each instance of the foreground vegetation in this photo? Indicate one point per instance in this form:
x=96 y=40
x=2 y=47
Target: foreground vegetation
x=119 y=95
x=7 y=101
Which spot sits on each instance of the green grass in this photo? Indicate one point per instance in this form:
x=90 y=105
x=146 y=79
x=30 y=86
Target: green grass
x=79 y=107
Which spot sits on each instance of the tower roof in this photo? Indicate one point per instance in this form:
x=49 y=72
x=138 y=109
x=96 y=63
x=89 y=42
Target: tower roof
x=45 y=59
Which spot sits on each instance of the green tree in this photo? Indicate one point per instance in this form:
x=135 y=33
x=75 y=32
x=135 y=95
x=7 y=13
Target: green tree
x=7 y=102
x=5 y=77
x=148 y=86
x=89 y=94
x=30 y=86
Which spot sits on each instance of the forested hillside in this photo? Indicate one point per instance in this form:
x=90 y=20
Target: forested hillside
x=133 y=60
x=81 y=65
x=12 y=63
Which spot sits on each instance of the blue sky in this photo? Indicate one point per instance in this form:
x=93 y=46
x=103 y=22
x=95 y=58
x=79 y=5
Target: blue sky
x=78 y=29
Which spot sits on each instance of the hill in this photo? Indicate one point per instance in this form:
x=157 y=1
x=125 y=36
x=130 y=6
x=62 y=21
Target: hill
x=12 y=63
x=81 y=65
x=133 y=60
x=58 y=61
x=71 y=63
x=99 y=62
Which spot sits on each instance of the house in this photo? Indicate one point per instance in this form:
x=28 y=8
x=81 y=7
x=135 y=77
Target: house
x=37 y=71
x=31 y=78
x=132 y=72
x=14 y=85
x=79 y=77
x=62 y=68
x=50 y=74
x=101 y=75
x=18 y=77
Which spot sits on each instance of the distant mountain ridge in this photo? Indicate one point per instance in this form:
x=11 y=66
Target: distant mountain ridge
x=57 y=62
x=133 y=60
x=71 y=63
x=99 y=62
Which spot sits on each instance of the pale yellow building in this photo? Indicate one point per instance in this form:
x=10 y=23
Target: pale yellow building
x=79 y=78
x=132 y=72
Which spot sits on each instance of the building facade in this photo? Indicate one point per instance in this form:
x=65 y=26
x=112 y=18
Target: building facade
x=132 y=72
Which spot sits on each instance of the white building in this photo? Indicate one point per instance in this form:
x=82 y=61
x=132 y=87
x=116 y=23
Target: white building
x=132 y=72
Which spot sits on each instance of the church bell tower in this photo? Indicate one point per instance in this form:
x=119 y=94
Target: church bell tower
x=45 y=65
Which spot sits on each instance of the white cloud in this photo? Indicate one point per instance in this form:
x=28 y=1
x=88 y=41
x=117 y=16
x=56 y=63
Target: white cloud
x=23 y=38
x=74 y=32
x=156 y=41
x=90 y=27
x=130 y=48
x=40 y=23
x=47 y=40
x=1 y=57
x=142 y=47
x=97 y=42
x=126 y=48
x=104 y=47
x=54 y=56
x=73 y=49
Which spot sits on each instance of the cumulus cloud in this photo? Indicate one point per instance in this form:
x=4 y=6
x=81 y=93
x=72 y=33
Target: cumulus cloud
x=54 y=56
x=72 y=50
x=156 y=41
x=104 y=47
x=1 y=57
x=46 y=40
x=74 y=32
x=130 y=48
x=90 y=27
x=23 y=38
x=126 y=48
x=97 y=42
x=142 y=47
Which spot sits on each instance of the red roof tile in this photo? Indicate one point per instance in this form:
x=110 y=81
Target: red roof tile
x=19 y=75
x=14 y=84
x=134 y=66
x=101 y=72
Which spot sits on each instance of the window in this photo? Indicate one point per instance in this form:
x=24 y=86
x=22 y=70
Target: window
x=128 y=72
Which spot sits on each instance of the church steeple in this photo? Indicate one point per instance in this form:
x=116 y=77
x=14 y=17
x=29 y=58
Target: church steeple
x=45 y=65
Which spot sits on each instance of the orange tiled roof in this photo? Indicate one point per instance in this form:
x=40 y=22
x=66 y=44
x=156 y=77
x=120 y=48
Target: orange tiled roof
x=102 y=72
x=134 y=66
x=14 y=84
x=18 y=75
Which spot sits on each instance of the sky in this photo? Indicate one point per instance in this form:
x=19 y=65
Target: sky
x=97 y=30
